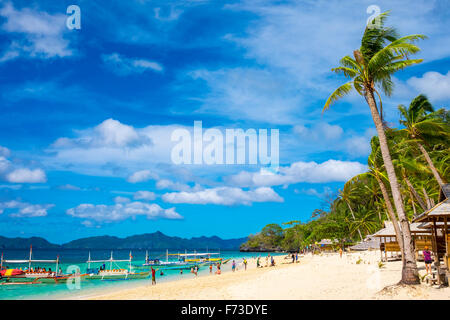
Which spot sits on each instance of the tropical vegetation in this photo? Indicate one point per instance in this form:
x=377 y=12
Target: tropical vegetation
x=407 y=165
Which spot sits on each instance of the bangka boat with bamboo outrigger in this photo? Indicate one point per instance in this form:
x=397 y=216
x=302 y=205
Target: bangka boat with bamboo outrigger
x=31 y=275
x=167 y=264
x=203 y=258
x=116 y=273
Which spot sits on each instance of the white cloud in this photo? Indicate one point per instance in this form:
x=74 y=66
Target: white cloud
x=248 y=93
x=120 y=199
x=112 y=148
x=34 y=33
x=25 y=175
x=224 y=196
x=124 y=66
x=11 y=173
x=312 y=172
x=4 y=152
x=110 y=133
x=321 y=131
x=69 y=187
x=141 y=176
x=24 y=209
x=144 y=195
x=171 y=185
x=434 y=84
x=119 y=211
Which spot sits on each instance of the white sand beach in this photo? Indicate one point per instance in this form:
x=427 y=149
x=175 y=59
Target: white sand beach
x=325 y=276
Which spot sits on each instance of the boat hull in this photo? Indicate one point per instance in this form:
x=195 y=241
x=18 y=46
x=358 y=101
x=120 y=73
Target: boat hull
x=123 y=276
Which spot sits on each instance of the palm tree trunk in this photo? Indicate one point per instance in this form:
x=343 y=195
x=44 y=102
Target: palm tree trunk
x=413 y=204
x=414 y=192
x=410 y=274
x=430 y=164
x=429 y=206
x=391 y=213
x=354 y=219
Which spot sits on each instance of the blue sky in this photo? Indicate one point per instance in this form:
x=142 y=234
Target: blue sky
x=87 y=115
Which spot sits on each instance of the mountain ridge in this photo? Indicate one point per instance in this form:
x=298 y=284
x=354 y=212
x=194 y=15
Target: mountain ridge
x=151 y=241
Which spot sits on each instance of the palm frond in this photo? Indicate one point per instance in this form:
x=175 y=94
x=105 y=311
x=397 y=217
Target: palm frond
x=338 y=94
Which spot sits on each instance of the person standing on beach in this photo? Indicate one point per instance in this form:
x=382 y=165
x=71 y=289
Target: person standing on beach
x=427 y=259
x=257 y=263
x=340 y=252
x=153 y=276
x=296 y=257
x=210 y=268
x=196 y=270
x=245 y=264
x=233 y=266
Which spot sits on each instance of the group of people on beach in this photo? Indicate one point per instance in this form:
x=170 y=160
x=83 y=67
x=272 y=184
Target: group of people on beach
x=268 y=257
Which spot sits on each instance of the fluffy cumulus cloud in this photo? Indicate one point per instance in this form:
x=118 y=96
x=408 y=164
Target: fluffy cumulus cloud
x=434 y=84
x=110 y=133
x=11 y=173
x=124 y=66
x=113 y=147
x=224 y=196
x=33 y=33
x=178 y=186
x=312 y=172
x=144 y=195
x=141 y=176
x=121 y=211
x=24 y=209
x=25 y=175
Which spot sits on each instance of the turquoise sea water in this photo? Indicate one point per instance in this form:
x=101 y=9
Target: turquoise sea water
x=71 y=258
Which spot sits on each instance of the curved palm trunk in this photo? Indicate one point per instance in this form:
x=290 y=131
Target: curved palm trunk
x=354 y=219
x=427 y=198
x=413 y=204
x=430 y=164
x=414 y=192
x=410 y=274
x=391 y=213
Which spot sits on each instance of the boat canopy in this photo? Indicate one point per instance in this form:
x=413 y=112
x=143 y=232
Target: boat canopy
x=197 y=254
x=28 y=261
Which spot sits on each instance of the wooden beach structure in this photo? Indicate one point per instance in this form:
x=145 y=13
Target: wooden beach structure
x=389 y=244
x=436 y=222
x=325 y=245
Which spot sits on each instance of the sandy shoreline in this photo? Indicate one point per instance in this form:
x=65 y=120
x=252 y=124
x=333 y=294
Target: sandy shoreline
x=316 y=277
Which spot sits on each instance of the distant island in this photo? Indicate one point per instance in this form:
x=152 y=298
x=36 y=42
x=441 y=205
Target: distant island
x=150 y=241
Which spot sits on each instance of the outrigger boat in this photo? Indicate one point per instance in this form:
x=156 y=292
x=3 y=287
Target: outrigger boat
x=201 y=257
x=166 y=265
x=113 y=274
x=30 y=275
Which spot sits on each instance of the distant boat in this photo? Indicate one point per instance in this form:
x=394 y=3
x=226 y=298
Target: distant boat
x=112 y=273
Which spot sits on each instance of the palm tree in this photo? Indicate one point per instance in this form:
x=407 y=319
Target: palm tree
x=346 y=195
x=421 y=120
x=382 y=53
x=408 y=166
x=375 y=163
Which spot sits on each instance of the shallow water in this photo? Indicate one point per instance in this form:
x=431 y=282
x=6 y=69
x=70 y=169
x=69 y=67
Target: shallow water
x=72 y=258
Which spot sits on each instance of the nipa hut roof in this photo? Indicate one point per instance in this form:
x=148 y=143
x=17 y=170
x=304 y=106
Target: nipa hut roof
x=389 y=231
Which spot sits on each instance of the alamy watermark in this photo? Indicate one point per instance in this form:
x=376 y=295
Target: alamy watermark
x=74 y=20
x=374 y=21
x=237 y=146
x=73 y=282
